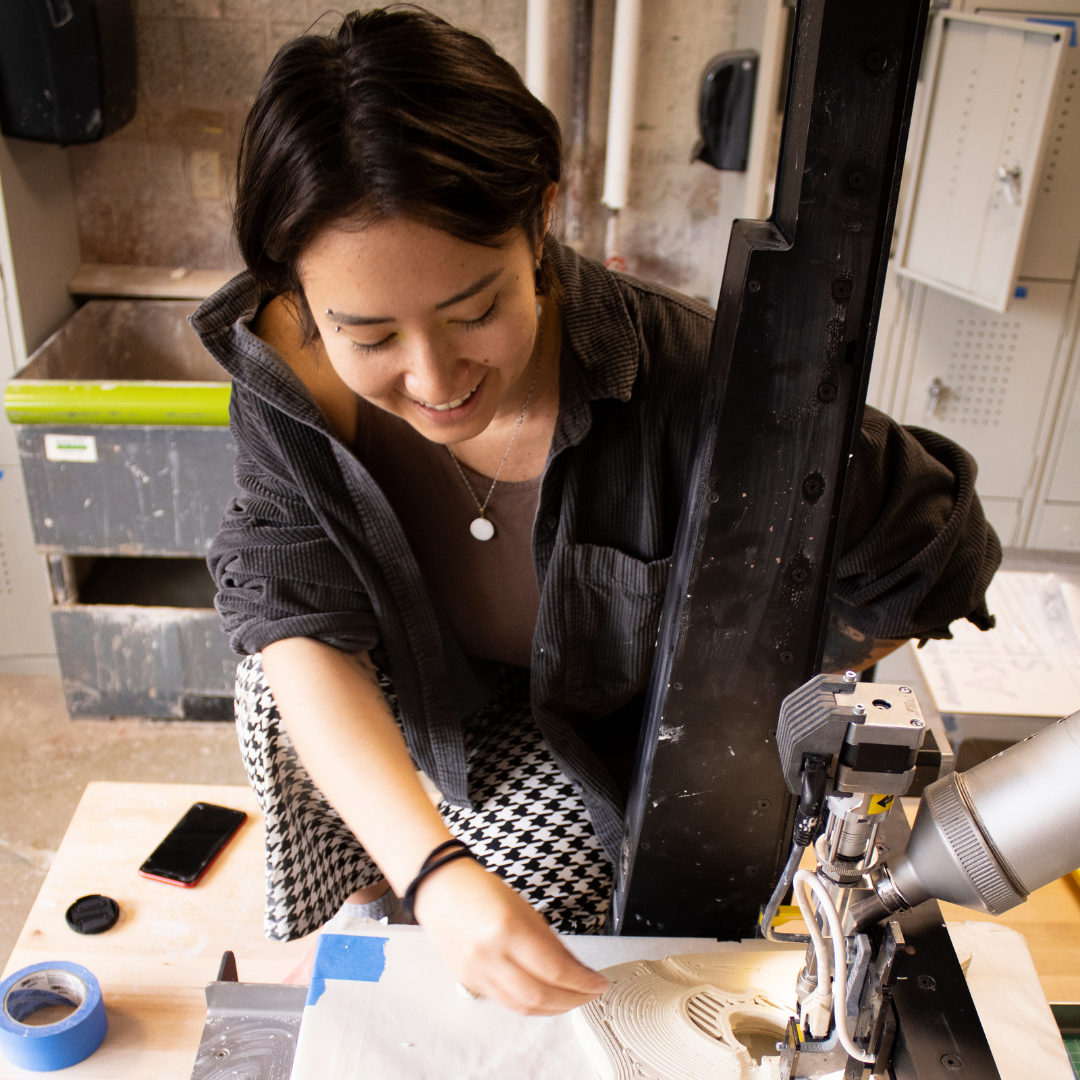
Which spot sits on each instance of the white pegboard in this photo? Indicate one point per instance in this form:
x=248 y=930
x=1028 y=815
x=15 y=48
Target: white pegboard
x=26 y=638
x=993 y=374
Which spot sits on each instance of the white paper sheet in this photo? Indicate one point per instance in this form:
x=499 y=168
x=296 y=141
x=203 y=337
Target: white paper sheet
x=412 y=1025
x=1008 y=996
x=1029 y=665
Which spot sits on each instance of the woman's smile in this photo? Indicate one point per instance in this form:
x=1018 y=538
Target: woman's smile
x=453 y=411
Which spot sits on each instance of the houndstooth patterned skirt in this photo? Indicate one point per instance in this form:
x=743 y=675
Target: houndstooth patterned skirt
x=529 y=824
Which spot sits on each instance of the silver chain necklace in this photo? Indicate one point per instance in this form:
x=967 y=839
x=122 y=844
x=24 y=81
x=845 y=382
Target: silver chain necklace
x=481 y=527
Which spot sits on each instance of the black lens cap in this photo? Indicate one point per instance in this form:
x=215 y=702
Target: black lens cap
x=93 y=914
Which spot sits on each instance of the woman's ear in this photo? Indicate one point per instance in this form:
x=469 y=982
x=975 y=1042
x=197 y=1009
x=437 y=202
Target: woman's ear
x=549 y=206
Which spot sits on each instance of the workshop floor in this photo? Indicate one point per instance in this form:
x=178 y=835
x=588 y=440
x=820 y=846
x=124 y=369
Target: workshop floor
x=46 y=760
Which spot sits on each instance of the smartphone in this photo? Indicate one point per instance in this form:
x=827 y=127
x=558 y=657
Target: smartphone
x=192 y=845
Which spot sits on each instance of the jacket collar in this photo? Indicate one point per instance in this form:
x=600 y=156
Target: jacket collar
x=601 y=347
x=597 y=328
x=223 y=324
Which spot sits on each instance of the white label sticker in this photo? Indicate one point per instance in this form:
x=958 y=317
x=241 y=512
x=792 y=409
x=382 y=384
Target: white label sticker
x=71 y=448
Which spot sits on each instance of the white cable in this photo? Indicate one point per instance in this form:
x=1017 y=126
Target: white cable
x=802 y=879
x=821 y=950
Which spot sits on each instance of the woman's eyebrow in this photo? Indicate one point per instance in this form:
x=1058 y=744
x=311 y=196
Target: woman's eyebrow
x=472 y=290
x=358 y=320
x=373 y=320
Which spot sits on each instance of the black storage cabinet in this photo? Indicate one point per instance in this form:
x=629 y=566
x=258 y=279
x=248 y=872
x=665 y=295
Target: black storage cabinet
x=67 y=69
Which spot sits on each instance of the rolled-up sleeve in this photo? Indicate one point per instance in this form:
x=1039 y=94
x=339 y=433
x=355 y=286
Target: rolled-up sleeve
x=918 y=551
x=277 y=572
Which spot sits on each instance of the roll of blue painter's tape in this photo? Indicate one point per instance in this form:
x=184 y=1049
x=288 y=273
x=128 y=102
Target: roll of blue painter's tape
x=43 y=1047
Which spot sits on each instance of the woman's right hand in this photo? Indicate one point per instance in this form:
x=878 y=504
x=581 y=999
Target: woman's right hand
x=338 y=719
x=498 y=945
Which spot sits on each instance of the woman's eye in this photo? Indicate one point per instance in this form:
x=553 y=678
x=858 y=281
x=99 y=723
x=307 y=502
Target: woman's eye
x=485 y=318
x=360 y=347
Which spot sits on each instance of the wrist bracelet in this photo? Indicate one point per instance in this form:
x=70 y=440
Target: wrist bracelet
x=432 y=863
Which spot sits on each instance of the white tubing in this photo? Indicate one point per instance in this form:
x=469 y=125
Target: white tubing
x=624 y=58
x=821 y=950
x=538 y=48
x=611 y=239
x=802 y=879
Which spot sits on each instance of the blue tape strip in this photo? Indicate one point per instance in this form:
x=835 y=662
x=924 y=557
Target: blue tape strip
x=51 y=1046
x=349 y=957
x=22 y=1004
x=1065 y=24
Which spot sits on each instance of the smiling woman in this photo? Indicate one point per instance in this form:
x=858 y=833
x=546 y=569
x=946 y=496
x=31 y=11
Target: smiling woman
x=455 y=363
x=463 y=452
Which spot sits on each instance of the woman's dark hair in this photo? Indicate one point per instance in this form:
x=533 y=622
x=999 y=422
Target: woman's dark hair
x=398 y=114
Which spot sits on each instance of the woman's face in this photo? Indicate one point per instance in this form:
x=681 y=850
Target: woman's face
x=433 y=329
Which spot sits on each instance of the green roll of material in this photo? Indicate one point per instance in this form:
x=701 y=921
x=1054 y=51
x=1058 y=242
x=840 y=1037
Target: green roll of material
x=168 y=404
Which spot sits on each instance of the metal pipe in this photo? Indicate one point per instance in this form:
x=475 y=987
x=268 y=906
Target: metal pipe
x=624 y=59
x=538 y=48
x=580 y=90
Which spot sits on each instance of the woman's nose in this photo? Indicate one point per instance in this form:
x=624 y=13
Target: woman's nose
x=433 y=378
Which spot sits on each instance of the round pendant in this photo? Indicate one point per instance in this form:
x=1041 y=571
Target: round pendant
x=481 y=528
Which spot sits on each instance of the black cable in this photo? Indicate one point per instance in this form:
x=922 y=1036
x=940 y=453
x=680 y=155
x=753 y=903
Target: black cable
x=807 y=827
x=778 y=894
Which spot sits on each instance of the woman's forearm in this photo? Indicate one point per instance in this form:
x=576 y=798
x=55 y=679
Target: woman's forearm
x=339 y=721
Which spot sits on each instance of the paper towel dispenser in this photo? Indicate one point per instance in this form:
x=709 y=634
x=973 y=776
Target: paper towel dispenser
x=726 y=110
x=67 y=69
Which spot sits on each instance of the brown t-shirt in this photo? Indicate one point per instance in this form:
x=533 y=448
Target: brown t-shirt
x=486 y=588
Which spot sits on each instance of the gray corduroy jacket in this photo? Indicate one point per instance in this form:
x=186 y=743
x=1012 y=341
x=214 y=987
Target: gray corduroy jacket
x=313 y=549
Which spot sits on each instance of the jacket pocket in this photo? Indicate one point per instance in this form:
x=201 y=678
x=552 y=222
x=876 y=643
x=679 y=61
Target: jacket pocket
x=609 y=611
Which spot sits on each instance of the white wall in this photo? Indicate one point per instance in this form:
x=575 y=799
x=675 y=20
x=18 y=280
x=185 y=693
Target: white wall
x=38 y=254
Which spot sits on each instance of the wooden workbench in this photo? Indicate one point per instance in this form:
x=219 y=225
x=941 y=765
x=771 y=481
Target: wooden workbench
x=1050 y=921
x=154 y=963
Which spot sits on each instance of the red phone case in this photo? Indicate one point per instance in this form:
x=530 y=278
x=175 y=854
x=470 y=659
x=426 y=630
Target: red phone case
x=202 y=873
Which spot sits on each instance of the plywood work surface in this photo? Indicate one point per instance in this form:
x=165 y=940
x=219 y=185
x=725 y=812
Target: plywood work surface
x=154 y=963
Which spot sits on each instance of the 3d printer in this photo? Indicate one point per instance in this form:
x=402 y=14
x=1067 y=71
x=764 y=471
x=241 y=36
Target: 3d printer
x=984 y=839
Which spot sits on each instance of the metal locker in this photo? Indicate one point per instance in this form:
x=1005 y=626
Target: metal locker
x=1059 y=528
x=1057 y=525
x=930 y=364
x=879 y=390
x=1053 y=238
x=985 y=123
x=983 y=379
x=1065 y=485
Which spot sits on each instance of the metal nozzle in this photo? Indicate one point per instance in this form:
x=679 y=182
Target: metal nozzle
x=885 y=901
x=988 y=837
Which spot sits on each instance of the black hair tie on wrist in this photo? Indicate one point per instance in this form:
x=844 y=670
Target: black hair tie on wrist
x=432 y=863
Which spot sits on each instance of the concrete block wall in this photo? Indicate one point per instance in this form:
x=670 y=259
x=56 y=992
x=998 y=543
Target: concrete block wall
x=159 y=191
